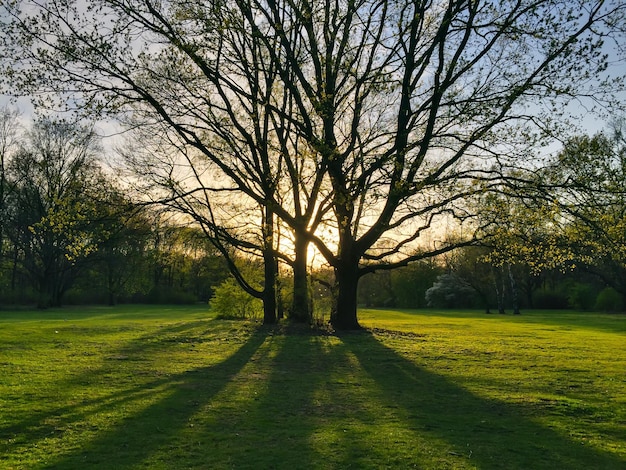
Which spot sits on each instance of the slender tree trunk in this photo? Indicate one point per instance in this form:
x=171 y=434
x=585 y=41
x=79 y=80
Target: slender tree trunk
x=343 y=315
x=43 y=297
x=57 y=298
x=14 y=267
x=300 y=311
x=280 y=307
x=499 y=291
x=110 y=283
x=270 y=270
x=269 y=291
x=514 y=293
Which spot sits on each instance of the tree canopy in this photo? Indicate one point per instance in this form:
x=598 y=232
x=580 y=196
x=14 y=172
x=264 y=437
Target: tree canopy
x=362 y=126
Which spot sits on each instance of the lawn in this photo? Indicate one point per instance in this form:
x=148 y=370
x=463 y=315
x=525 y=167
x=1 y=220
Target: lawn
x=168 y=388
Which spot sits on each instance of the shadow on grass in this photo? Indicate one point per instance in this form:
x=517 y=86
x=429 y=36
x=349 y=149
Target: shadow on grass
x=153 y=429
x=300 y=400
x=313 y=409
x=275 y=429
x=103 y=312
x=489 y=434
x=267 y=422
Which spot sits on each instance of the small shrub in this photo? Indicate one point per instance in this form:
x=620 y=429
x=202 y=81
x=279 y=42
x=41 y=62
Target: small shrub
x=609 y=300
x=231 y=302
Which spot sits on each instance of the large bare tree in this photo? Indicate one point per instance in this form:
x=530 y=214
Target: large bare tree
x=398 y=113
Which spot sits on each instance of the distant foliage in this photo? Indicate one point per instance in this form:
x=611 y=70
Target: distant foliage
x=609 y=300
x=550 y=299
x=232 y=302
x=582 y=296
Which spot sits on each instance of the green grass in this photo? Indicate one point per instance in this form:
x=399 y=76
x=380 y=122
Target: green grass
x=153 y=387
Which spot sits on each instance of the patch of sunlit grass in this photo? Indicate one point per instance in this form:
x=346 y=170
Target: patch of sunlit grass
x=148 y=387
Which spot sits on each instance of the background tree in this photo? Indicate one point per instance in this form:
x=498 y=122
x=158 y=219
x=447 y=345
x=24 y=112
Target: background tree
x=450 y=291
x=522 y=239
x=404 y=287
x=409 y=109
x=9 y=139
x=591 y=175
x=469 y=264
x=121 y=259
x=53 y=216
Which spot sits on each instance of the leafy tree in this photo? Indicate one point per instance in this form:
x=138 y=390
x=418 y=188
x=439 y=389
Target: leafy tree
x=411 y=283
x=53 y=216
x=590 y=173
x=180 y=264
x=404 y=287
x=469 y=264
x=407 y=111
x=121 y=259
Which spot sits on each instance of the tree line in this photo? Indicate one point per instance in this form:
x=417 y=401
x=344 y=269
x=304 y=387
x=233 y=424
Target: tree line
x=71 y=233
x=356 y=130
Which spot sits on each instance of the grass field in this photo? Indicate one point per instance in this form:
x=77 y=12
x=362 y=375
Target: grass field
x=174 y=388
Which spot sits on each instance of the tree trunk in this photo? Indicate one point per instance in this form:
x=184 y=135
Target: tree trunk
x=270 y=270
x=14 y=267
x=280 y=307
x=300 y=311
x=269 y=292
x=499 y=290
x=343 y=315
x=57 y=298
x=110 y=283
x=43 y=295
x=514 y=293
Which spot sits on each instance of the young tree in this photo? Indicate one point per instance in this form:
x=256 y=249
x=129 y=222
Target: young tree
x=522 y=239
x=408 y=109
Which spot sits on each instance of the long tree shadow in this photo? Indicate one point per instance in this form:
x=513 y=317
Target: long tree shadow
x=315 y=401
x=41 y=421
x=313 y=408
x=277 y=421
x=163 y=420
x=503 y=437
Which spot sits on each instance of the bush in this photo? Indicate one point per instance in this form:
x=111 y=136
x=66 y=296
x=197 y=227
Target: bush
x=232 y=302
x=85 y=296
x=609 y=300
